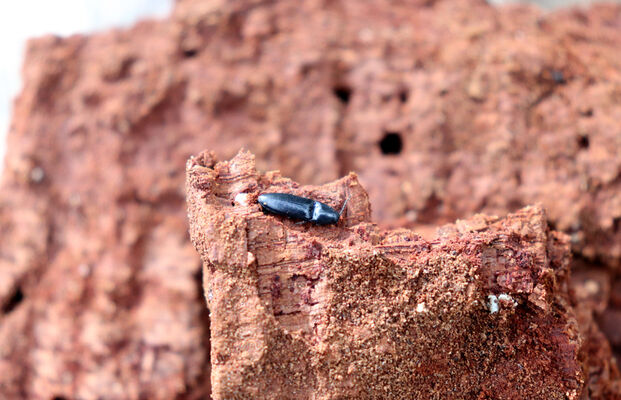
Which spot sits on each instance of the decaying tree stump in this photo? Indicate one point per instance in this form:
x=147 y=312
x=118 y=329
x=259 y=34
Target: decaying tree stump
x=301 y=311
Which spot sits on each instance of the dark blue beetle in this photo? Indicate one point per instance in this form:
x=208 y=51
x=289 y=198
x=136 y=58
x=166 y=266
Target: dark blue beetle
x=300 y=208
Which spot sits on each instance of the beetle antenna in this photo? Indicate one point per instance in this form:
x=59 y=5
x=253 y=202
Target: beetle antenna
x=344 y=204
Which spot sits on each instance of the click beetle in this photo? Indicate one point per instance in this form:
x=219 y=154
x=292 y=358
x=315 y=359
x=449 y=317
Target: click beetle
x=301 y=208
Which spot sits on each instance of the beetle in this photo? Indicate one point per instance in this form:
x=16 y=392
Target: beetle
x=302 y=208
